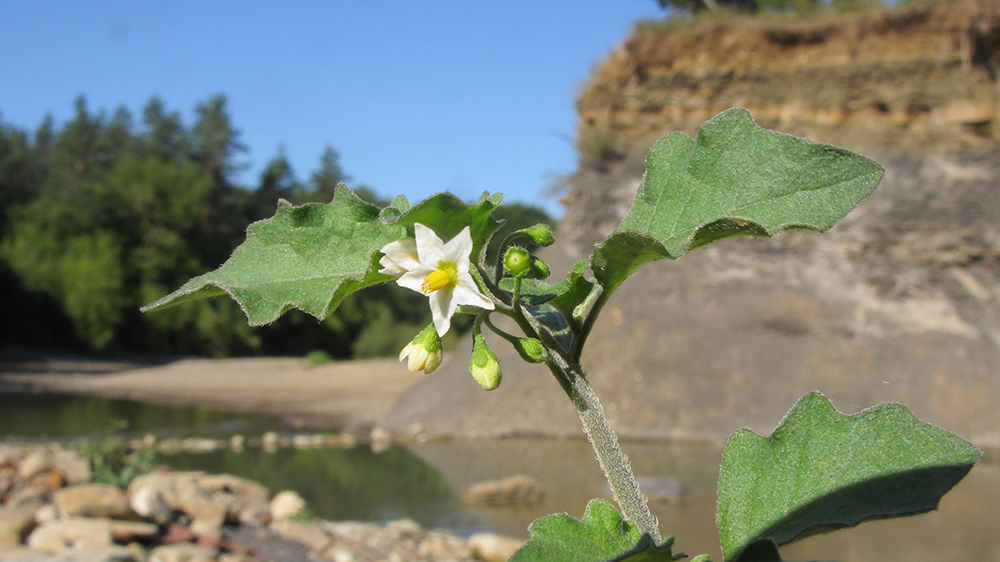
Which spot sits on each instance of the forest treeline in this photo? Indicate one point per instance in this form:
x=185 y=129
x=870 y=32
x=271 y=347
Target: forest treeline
x=104 y=214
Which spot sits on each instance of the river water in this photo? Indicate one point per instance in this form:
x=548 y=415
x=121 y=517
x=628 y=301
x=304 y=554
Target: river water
x=422 y=480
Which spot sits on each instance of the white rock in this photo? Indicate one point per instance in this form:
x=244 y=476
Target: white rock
x=206 y=529
x=46 y=513
x=308 y=534
x=128 y=531
x=148 y=502
x=493 y=548
x=233 y=485
x=14 y=526
x=73 y=466
x=236 y=557
x=91 y=500
x=287 y=504
x=28 y=498
x=180 y=491
x=183 y=552
x=76 y=532
x=34 y=464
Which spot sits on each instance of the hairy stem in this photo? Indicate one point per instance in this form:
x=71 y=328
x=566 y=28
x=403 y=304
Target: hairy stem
x=614 y=462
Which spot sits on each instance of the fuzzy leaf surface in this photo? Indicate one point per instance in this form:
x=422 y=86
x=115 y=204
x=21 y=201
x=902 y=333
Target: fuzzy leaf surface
x=822 y=470
x=735 y=179
x=308 y=257
x=601 y=536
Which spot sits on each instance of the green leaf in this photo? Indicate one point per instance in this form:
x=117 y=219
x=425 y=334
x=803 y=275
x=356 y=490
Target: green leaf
x=822 y=470
x=447 y=215
x=735 y=179
x=308 y=257
x=601 y=536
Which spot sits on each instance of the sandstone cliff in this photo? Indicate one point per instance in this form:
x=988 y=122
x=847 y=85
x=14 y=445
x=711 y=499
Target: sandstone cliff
x=899 y=302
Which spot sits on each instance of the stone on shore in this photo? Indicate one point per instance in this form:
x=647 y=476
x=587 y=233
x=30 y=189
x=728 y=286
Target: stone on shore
x=92 y=500
x=181 y=491
x=76 y=532
x=493 y=548
x=183 y=552
x=14 y=526
x=148 y=502
x=309 y=534
x=235 y=485
x=516 y=490
x=287 y=504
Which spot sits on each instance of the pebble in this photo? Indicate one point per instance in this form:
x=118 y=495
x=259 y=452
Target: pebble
x=287 y=504
x=516 y=490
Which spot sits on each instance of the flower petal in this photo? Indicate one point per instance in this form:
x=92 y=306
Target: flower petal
x=443 y=307
x=467 y=293
x=458 y=250
x=400 y=257
x=430 y=248
x=414 y=280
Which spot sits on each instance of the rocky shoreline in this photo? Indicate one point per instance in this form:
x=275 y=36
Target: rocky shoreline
x=51 y=511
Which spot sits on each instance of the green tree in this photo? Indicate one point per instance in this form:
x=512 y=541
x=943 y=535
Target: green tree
x=216 y=141
x=19 y=176
x=325 y=179
x=277 y=181
x=164 y=136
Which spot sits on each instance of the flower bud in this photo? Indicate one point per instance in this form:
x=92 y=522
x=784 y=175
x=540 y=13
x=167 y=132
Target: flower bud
x=531 y=350
x=540 y=234
x=539 y=269
x=424 y=352
x=517 y=261
x=484 y=365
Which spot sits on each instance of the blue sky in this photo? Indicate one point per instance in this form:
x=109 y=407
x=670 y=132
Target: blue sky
x=417 y=97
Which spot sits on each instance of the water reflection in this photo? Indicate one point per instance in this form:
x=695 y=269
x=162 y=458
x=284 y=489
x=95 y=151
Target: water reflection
x=341 y=484
x=68 y=416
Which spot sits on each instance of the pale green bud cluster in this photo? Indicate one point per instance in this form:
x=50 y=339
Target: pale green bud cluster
x=424 y=352
x=484 y=365
x=540 y=234
x=531 y=350
x=517 y=261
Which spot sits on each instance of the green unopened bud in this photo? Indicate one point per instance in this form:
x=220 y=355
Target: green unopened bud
x=531 y=350
x=517 y=261
x=424 y=352
x=539 y=269
x=540 y=234
x=484 y=365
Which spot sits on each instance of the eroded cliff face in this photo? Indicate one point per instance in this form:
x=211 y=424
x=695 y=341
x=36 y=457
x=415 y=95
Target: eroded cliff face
x=916 y=78
x=898 y=302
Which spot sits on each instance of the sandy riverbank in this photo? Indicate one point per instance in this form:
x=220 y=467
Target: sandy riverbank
x=339 y=394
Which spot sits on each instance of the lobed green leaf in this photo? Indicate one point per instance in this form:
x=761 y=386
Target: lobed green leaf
x=736 y=179
x=312 y=256
x=308 y=257
x=822 y=470
x=601 y=536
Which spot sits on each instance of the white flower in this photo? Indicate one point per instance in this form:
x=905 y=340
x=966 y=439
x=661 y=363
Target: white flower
x=424 y=352
x=437 y=269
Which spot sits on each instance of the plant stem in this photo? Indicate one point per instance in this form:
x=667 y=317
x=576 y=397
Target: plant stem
x=614 y=462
